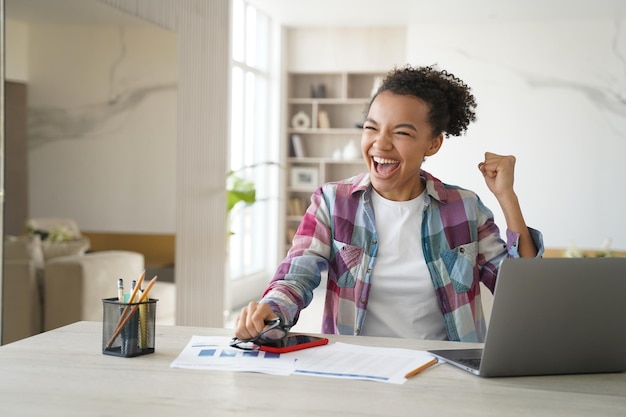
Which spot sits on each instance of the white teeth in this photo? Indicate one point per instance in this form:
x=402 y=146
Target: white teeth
x=380 y=160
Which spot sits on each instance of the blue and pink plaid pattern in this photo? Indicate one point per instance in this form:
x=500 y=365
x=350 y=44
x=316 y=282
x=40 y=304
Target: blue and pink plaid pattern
x=337 y=237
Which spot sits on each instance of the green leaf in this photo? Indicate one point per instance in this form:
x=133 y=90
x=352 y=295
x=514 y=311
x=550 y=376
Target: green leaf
x=239 y=189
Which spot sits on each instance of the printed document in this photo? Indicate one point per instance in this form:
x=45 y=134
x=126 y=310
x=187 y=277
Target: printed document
x=335 y=360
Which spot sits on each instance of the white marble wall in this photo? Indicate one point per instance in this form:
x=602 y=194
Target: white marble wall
x=553 y=94
x=102 y=126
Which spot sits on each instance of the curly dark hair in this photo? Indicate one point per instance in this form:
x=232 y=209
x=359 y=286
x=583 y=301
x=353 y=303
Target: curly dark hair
x=452 y=105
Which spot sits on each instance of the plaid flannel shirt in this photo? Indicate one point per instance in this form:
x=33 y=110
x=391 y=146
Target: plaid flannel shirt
x=337 y=238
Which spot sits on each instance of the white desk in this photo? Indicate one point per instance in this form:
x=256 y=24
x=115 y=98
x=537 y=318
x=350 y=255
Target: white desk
x=64 y=373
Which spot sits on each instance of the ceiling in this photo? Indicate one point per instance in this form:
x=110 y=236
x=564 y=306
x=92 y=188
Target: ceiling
x=403 y=12
x=308 y=13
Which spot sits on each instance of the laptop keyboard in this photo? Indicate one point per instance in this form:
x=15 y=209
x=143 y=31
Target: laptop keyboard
x=473 y=363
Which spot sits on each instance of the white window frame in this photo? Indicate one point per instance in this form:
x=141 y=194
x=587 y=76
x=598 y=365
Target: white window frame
x=252 y=247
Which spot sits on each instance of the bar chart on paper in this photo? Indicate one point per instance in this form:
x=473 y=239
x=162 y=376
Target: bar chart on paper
x=218 y=351
x=214 y=353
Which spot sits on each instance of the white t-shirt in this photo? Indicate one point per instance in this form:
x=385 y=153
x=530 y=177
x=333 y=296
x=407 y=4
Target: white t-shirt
x=402 y=300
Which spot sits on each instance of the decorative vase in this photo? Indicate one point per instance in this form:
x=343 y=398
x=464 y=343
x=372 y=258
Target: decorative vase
x=350 y=151
x=301 y=120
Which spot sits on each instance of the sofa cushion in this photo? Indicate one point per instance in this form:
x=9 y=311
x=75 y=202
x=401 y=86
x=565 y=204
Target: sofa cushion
x=72 y=247
x=24 y=248
x=74 y=286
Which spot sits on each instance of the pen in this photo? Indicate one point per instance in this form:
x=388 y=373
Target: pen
x=120 y=293
x=120 y=290
x=133 y=283
x=421 y=368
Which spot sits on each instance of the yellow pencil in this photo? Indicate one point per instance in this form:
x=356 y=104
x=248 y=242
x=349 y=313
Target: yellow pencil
x=143 y=321
x=421 y=368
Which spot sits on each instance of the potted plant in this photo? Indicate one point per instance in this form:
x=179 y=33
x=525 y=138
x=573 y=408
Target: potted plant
x=240 y=189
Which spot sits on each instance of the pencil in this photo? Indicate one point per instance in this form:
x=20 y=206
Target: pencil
x=421 y=368
x=143 y=321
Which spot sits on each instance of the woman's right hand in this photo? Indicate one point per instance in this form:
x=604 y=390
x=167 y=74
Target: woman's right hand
x=251 y=320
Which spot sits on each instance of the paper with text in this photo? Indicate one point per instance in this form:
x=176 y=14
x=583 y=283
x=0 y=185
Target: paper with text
x=342 y=360
x=336 y=360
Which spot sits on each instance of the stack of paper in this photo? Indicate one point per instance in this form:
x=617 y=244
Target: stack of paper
x=336 y=360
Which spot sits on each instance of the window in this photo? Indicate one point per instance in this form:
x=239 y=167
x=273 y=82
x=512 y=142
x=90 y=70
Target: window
x=250 y=254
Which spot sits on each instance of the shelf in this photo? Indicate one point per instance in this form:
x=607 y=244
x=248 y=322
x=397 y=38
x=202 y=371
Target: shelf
x=308 y=160
x=316 y=131
x=340 y=85
x=364 y=100
x=335 y=99
x=308 y=116
x=345 y=161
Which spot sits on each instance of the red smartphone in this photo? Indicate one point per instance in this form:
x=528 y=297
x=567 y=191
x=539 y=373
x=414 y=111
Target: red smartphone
x=294 y=342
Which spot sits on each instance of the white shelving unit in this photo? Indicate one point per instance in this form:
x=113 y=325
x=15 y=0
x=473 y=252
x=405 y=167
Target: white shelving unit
x=324 y=116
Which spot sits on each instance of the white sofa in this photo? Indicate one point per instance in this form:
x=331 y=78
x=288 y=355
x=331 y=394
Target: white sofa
x=21 y=304
x=46 y=292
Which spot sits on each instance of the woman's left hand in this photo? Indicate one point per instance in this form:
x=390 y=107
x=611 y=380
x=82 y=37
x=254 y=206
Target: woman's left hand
x=498 y=171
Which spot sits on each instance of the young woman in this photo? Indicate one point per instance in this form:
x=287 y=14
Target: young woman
x=402 y=252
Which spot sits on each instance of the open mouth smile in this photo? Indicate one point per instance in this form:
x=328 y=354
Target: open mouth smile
x=385 y=167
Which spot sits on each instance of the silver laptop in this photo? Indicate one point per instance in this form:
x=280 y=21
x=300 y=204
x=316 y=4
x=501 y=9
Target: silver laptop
x=552 y=316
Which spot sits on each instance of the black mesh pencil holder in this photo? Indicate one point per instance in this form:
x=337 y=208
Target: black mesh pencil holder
x=128 y=328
